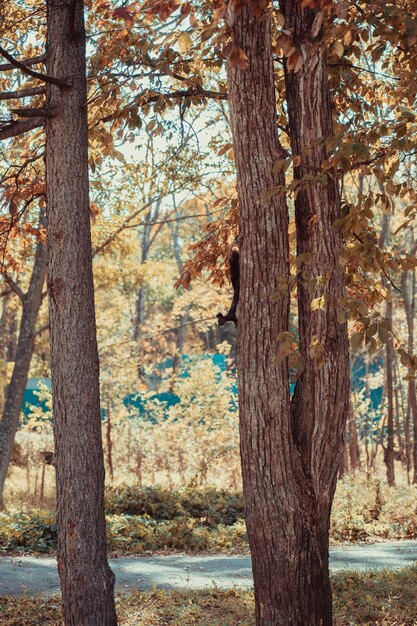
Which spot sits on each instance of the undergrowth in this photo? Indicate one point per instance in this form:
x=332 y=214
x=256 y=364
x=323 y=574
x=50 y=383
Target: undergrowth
x=149 y=519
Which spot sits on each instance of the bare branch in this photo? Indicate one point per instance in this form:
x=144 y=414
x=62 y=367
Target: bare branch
x=23 y=93
x=143 y=99
x=43 y=77
x=42 y=329
x=174 y=328
x=13 y=286
x=19 y=128
x=35 y=112
x=33 y=61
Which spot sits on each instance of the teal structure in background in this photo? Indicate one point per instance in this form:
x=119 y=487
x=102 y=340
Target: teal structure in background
x=30 y=397
x=162 y=371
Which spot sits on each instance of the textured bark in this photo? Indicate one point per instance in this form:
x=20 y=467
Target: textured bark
x=321 y=398
x=290 y=455
x=14 y=397
x=86 y=579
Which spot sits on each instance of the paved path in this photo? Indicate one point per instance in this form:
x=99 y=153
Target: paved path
x=30 y=575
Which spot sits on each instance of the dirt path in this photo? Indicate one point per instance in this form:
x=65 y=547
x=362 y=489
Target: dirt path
x=31 y=575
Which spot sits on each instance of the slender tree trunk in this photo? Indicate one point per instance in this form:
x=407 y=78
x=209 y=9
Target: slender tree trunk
x=409 y=296
x=4 y=329
x=86 y=579
x=354 y=453
x=179 y=344
x=182 y=331
x=389 y=364
x=290 y=459
x=11 y=338
x=109 y=441
x=31 y=302
x=398 y=411
x=141 y=295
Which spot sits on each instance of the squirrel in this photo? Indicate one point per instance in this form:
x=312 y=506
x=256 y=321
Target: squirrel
x=234 y=273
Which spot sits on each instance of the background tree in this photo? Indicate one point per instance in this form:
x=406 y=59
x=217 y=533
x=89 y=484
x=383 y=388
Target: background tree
x=31 y=302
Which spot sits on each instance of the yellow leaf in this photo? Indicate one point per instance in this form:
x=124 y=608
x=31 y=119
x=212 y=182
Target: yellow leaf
x=338 y=49
x=184 y=42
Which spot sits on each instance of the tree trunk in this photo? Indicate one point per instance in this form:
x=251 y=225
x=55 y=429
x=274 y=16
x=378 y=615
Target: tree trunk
x=109 y=442
x=409 y=296
x=289 y=459
x=4 y=330
x=182 y=330
x=398 y=411
x=389 y=364
x=141 y=296
x=354 y=454
x=31 y=302
x=321 y=398
x=86 y=579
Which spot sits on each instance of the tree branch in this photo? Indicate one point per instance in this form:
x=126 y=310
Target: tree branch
x=43 y=77
x=13 y=286
x=33 y=61
x=35 y=112
x=142 y=100
x=22 y=93
x=19 y=128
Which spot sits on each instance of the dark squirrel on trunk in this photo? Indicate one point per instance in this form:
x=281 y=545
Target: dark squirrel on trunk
x=234 y=273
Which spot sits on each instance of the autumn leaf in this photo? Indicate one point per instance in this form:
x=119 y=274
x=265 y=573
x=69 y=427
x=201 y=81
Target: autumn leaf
x=184 y=42
x=238 y=58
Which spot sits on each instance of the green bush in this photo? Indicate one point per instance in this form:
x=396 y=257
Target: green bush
x=156 y=502
x=22 y=532
x=127 y=534
x=211 y=507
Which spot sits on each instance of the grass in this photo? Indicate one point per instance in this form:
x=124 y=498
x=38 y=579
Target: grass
x=386 y=598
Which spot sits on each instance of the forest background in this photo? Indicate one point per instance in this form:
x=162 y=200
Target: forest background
x=164 y=220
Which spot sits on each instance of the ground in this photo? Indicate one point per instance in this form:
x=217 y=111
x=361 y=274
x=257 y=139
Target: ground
x=374 y=598
x=30 y=575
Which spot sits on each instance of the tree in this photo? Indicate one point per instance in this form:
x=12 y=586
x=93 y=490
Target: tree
x=86 y=579
x=290 y=452
x=409 y=296
x=31 y=302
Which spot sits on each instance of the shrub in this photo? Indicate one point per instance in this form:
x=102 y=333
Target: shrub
x=23 y=532
x=210 y=506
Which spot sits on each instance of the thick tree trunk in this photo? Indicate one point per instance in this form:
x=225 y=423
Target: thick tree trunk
x=86 y=579
x=289 y=460
x=321 y=398
x=14 y=398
